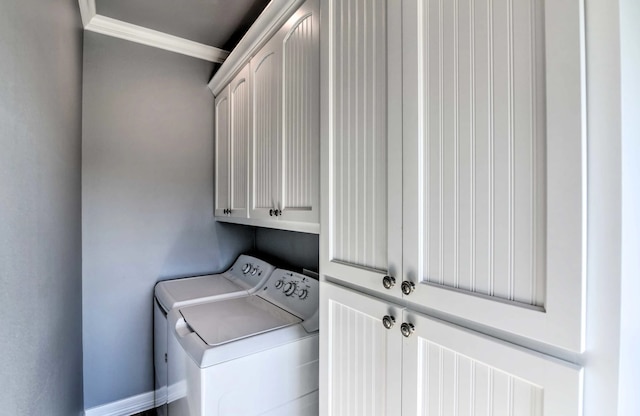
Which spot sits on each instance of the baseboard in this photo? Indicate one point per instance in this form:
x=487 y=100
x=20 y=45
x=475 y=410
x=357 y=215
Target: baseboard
x=124 y=407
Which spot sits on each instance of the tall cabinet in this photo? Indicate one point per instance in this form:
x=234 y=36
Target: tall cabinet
x=453 y=167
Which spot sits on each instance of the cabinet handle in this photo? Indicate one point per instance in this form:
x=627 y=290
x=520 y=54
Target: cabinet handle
x=408 y=287
x=388 y=321
x=407 y=329
x=388 y=282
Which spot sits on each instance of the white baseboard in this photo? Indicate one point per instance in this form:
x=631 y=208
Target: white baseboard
x=124 y=407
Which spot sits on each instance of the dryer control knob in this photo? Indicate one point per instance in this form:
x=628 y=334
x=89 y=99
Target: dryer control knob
x=246 y=269
x=289 y=289
x=303 y=294
x=279 y=284
x=254 y=271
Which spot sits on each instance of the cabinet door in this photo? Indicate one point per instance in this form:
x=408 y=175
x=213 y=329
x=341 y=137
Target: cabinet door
x=448 y=370
x=240 y=97
x=300 y=187
x=360 y=360
x=494 y=163
x=361 y=126
x=223 y=149
x=267 y=129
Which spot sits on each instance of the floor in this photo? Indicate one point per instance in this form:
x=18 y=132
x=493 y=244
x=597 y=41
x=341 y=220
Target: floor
x=151 y=412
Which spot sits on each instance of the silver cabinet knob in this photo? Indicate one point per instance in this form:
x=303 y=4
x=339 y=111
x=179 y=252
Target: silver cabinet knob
x=407 y=329
x=408 y=287
x=388 y=282
x=388 y=321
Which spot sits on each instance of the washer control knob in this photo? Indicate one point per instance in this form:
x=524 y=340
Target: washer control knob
x=254 y=271
x=279 y=284
x=289 y=289
x=303 y=294
x=246 y=268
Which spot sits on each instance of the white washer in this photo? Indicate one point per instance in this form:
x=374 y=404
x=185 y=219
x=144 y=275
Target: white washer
x=246 y=276
x=251 y=355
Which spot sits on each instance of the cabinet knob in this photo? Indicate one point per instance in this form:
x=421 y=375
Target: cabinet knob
x=408 y=287
x=407 y=329
x=388 y=282
x=388 y=321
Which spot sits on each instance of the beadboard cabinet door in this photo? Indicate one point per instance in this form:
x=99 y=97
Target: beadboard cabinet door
x=233 y=122
x=361 y=360
x=448 y=370
x=223 y=152
x=361 y=142
x=494 y=164
x=300 y=169
x=285 y=182
x=266 y=152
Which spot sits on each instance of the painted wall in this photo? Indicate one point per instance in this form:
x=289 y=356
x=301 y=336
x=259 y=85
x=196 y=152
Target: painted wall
x=40 y=260
x=288 y=248
x=147 y=195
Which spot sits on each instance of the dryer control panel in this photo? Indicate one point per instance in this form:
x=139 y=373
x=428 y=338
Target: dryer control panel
x=293 y=292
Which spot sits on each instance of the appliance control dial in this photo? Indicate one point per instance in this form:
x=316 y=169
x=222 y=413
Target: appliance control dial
x=246 y=268
x=279 y=284
x=254 y=271
x=289 y=288
x=303 y=294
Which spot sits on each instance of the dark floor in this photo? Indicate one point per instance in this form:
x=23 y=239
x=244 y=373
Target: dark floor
x=151 y=412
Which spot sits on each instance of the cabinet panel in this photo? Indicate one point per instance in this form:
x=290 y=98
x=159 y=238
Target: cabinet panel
x=223 y=134
x=487 y=158
x=361 y=360
x=449 y=370
x=240 y=130
x=301 y=107
x=361 y=141
x=267 y=128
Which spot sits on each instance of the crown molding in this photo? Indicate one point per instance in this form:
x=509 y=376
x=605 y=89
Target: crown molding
x=269 y=22
x=138 y=34
x=87 y=10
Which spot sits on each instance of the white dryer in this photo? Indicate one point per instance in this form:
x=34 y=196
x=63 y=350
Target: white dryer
x=245 y=277
x=256 y=355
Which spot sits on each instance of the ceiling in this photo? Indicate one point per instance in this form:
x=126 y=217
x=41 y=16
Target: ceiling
x=218 y=23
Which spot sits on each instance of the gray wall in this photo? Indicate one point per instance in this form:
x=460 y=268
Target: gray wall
x=147 y=195
x=40 y=280
x=297 y=250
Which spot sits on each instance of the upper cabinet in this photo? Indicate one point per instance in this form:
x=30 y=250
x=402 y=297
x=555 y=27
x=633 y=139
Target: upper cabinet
x=232 y=127
x=454 y=159
x=284 y=152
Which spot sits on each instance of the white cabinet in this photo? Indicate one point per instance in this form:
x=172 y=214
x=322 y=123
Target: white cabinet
x=283 y=135
x=494 y=189
x=454 y=159
x=232 y=127
x=453 y=166
x=430 y=367
x=361 y=237
x=360 y=370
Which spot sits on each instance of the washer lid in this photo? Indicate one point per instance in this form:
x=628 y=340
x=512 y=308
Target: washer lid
x=180 y=292
x=229 y=320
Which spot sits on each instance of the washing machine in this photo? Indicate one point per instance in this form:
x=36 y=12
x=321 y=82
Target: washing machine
x=255 y=355
x=245 y=277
